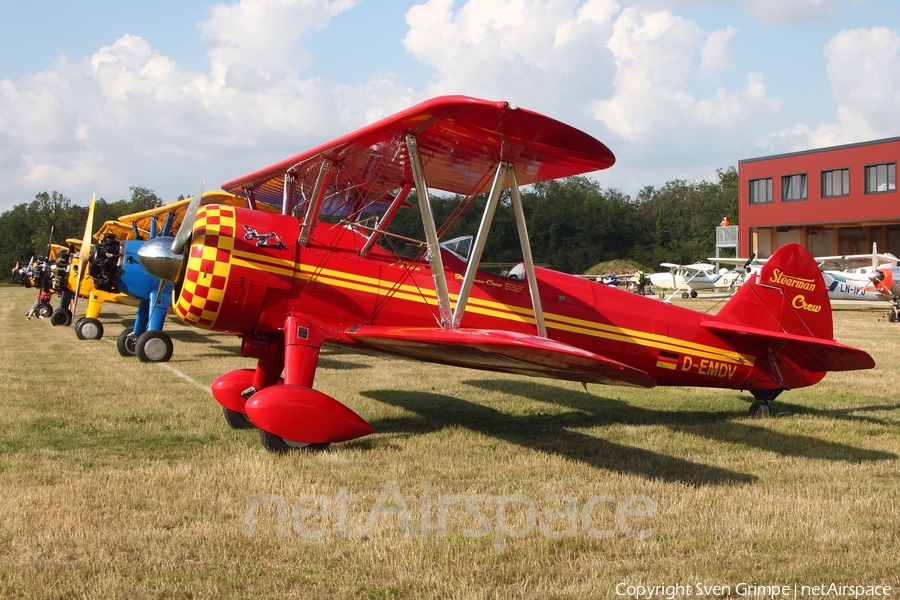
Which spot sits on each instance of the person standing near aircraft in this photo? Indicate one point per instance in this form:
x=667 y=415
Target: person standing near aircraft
x=41 y=305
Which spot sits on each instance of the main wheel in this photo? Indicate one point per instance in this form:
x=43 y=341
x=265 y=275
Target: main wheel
x=45 y=311
x=126 y=344
x=693 y=293
x=685 y=295
x=61 y=316
x=279 y=445
x=237 y=420
x=154 y=346
x=893 y=317
x=89 y=329
x=662 y=295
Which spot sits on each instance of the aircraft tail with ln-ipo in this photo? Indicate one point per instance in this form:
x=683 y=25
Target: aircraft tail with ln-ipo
x=786 y=307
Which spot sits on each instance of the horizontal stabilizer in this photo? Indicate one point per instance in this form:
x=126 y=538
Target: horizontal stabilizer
x=812 y=354
x=503 y=351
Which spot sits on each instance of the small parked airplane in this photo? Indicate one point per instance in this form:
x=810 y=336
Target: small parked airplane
x=115 y=273
x=326 y=274
x=687 y=279
x=862 y=277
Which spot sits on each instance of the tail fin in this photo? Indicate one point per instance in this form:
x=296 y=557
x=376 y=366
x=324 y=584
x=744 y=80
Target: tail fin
x=789 y=296
x=786 y=308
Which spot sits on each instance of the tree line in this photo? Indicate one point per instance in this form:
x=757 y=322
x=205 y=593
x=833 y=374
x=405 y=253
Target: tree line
x=573 y=223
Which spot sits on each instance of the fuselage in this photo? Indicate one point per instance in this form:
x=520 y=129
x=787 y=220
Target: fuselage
x=236 y=283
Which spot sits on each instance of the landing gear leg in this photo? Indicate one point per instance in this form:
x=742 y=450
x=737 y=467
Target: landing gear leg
x=293 y=415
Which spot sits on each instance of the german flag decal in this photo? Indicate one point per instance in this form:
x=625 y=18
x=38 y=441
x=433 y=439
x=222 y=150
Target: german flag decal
x=667 y=360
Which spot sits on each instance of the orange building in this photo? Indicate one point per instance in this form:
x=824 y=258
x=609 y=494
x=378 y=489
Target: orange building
x=833 y=201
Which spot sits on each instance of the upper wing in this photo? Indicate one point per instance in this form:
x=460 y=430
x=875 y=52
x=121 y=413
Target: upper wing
x=460 y=140
x=172 y=213
x=853 y=261
x=503 y=351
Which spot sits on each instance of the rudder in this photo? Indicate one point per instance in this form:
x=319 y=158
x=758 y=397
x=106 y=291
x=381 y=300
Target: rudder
x=788 y=295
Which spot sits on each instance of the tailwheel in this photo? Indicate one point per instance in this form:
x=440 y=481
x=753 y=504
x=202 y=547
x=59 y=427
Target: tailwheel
x=237 y=420
x=89 y=329
x=154 y=346
x=279 y=445
x=759 y=409
x=126 y=344
x=662 y=294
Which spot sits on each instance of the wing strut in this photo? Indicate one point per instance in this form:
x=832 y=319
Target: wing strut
x=315 y=203
x=505 y=171
x=526 y=254
x=431 y=236
x=487 y=217
x=287 y=200
x=383 y=221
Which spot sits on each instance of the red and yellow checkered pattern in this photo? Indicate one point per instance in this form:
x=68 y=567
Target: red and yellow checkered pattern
x=208 y=266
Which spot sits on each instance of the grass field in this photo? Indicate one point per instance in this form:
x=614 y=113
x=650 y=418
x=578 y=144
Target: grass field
x=121 y=480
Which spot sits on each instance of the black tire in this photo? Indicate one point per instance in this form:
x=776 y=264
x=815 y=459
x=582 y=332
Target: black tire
x=693 y=293
x=662 y=295
x=237 y=420
x=45 y=311
x=89 y=329
x=279 y=445
x=685 y=295
x=154 y=346
x=126 y=344
x=759 y=410
x=893 y=317
x=61 y=316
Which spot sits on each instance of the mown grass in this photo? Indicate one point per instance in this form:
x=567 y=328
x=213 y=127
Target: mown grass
x=121 y=480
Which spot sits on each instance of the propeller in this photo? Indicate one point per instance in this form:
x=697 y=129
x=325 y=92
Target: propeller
x=84 y=255
x=878 y=276
x=164 y=256
x=749 y=260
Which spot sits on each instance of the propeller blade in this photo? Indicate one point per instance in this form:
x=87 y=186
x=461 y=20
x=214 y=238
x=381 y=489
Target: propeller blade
x=84 y=256
x=749 y=260
x=874 y=256
x=187 y=223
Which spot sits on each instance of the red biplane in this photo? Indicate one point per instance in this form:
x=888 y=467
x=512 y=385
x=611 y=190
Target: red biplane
x=322 y=272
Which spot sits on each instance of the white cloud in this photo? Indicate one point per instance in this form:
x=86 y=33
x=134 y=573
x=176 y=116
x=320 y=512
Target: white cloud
x=265 y=35
x=128 y=115
x=864 y=72
x=539 y=54
x=654 y=105
x=716 y=55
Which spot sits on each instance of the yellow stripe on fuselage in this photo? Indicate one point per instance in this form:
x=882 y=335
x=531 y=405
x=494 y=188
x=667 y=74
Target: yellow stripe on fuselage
x=412 y=293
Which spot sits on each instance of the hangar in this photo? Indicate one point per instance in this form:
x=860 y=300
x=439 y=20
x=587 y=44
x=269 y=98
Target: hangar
x=833 y=201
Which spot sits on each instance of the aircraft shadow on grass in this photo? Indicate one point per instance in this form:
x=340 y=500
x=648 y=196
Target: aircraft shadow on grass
x=553 y=433
x=719 y=426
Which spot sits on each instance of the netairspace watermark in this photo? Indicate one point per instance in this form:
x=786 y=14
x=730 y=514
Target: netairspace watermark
x=751 y=590
x=501 y=516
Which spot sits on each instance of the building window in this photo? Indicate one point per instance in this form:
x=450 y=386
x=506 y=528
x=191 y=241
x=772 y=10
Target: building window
x=761 y=191
x=835 y=183
x=793 y=187
x=881 y=178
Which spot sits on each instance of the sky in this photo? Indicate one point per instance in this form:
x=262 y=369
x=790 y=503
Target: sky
x=98 y=96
